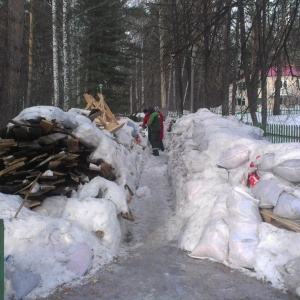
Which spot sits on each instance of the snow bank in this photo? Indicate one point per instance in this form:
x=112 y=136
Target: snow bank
x=67 y=238
x=217 y=213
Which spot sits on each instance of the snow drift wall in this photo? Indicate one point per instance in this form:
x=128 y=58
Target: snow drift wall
x=218 y=213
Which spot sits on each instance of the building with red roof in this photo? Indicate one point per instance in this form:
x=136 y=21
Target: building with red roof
x=289 y=92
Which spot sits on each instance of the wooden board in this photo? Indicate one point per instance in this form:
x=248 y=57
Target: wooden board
x=104 y=117
x=11 y=168
x=6 y=143
x=268 y=216
x=52 y=138
x=46 y=126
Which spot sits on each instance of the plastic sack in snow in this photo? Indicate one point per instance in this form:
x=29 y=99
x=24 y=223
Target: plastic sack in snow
x=288 y=170
x=267 y=191
x=234 y=157
x=79 y=258
x=214 y=241
x=244 y=219
x=264 y=162
x=291 y=274
x=134 y=131
x=288 y=206
x=22 y=281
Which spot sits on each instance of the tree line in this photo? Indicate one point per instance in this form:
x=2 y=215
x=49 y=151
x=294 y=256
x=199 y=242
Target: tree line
x=175 y=54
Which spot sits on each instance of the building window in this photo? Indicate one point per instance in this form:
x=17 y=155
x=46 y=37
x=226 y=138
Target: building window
x=240 y=101
x=241 y=85
x=285 y=84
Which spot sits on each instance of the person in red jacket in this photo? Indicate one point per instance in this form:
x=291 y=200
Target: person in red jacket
x=161 y=134
x=145 y=120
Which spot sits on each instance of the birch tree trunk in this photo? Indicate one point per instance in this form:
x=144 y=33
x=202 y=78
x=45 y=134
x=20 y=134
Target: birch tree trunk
x=66 y=56
x=163 y=93
x=55 y=54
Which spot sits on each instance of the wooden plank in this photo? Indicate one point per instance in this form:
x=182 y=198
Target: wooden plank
x=25 y=199
x=72 y=144
x=33 y=145
x=268 y=215
x=70 y=156
x=52 y=157
x=6 y=143
x=11 y=168
x=48 y=177
x=60 y=127
x=46 y=126
x=54 y=164
x=52 y=138
x=20 y=133
x=31 y=204
x=116 y=128
x=94 y=116
x=15 y=161
x=37 y=158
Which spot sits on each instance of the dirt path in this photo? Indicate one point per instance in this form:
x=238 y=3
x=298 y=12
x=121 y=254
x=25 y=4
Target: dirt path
x=154 y=268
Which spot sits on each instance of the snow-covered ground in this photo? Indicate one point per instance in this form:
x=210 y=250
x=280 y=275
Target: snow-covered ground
x=217 y=214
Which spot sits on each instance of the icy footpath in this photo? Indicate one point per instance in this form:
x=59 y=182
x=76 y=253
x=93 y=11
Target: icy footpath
x=217 y=211
x=151 y=266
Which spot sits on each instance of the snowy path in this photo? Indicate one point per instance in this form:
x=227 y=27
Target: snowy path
x=154 y=267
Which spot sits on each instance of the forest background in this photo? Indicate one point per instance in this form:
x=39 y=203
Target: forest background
x=175 y=54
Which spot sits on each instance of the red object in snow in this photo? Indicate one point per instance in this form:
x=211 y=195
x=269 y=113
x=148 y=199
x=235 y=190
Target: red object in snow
x=252 y=178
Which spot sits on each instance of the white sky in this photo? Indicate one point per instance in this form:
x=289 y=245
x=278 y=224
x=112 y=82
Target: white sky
x=217 y=215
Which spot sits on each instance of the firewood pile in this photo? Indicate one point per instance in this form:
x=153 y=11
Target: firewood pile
x=30 y=148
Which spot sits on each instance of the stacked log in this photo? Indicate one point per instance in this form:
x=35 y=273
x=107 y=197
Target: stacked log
x=41 y=158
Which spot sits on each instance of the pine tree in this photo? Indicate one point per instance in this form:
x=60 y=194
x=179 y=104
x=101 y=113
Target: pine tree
x=103 y=48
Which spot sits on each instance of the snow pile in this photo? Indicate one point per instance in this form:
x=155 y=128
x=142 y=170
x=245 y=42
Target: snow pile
x=66 y=238
x=218 y=212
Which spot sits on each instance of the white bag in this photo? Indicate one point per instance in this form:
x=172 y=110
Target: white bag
x=234 y=158
x=214 y=241
x=244 y=220
x=267 y=192
x=288 y=206
x=289 y=170
x=264 y=162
